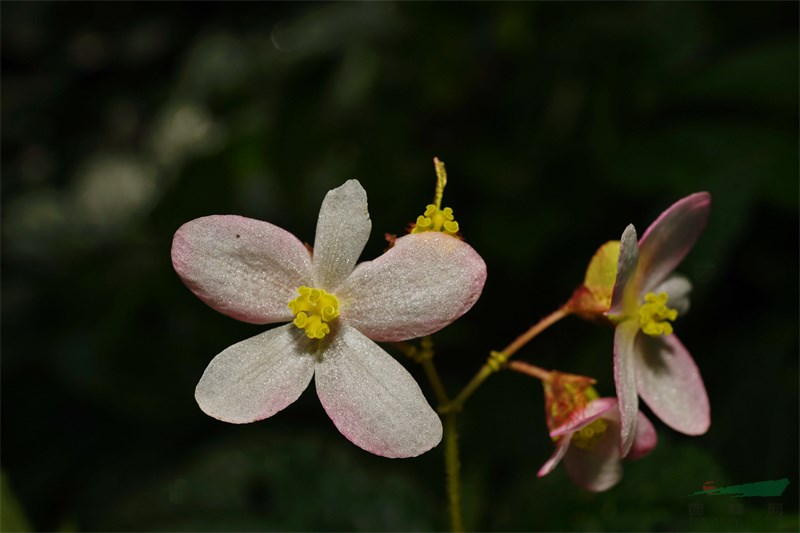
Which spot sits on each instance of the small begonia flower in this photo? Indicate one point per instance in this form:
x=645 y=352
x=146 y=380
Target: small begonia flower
x=649 y=360
x=259 y=273
x=586 y=432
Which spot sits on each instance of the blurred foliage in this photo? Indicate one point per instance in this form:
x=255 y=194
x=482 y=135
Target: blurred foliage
x=560 y=123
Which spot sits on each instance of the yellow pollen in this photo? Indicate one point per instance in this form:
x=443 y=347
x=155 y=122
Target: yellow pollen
x=312 y=310
x=435 y=219
x=588 y=436
x=654 y=315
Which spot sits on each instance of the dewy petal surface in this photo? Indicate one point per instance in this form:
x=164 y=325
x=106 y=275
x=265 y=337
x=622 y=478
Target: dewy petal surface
x=626 y=269
x=625 y=379
x=678 y=289
x=667 y=241
x=244 y=268
x=419 y=286
x=596 y=469
x=670 y=383
x=373 y=400
x=258 y=377
x=342 y=231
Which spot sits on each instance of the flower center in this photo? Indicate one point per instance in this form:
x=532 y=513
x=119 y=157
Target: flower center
x=654 y=314
x=312 y=310
x=436 y=219
x=588 y=436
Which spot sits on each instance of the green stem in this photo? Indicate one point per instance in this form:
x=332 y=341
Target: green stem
x=435 y=381
x=452 y=466
x=498 y=359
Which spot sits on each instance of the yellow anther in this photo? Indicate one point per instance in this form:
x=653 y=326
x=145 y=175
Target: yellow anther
x=312 y=310
x=654 y=315
x=588 y=436
x=436 y=219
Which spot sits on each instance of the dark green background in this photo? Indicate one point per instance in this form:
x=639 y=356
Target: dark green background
x=560 y=123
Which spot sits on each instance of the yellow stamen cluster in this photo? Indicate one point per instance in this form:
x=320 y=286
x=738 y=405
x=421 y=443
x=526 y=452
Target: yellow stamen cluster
x=436 y=219
x=312 y=310
x=654 y=314
x=588 y=436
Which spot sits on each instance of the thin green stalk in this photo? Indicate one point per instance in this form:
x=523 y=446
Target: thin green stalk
x=498 y=359
x=435 y=381
x=452 y=466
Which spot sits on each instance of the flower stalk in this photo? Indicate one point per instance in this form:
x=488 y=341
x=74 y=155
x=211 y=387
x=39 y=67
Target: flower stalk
x=498 y=360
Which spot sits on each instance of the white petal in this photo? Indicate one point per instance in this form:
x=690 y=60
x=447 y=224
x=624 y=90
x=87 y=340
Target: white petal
x=596 y=469
x=678 y=289
x=580 y=419
x=422 y=284
x=244 y=268
x=626 y=270
x=646 y=439
x=342 y=231
x=668 y=240
x=373 y=400
x=257 y=377
x=562 y=445
x=625 y=361
x=670 y=383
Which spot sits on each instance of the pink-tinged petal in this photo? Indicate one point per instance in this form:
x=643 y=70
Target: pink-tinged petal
x=670 y=383
x=342 y=231
x=257 y=377
x=678 y=289
x=562 y=445
x=244 y=268
x=422 y=284
x=667 y=241
x=597 y=468
x=586 y=416
x=373 y=400
x=625 y=379
x=626 y=270
x=646 y=439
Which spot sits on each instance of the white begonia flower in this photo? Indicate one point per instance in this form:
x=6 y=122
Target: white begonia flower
x=259 y=273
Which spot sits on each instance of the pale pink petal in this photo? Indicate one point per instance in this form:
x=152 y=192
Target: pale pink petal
x=646 y=439
x=419 y=286
x=244 y=268
x=586 y=416
x=342 y=231
x=597 y=468
x=562 y=445
x=625 y=361
x=667 y=241
x=626 y=270
x=257 y=377
x=670 y=383
x=372 y=399
x=678 y=289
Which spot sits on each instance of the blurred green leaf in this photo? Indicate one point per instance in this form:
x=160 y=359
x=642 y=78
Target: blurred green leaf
x=12 y=517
